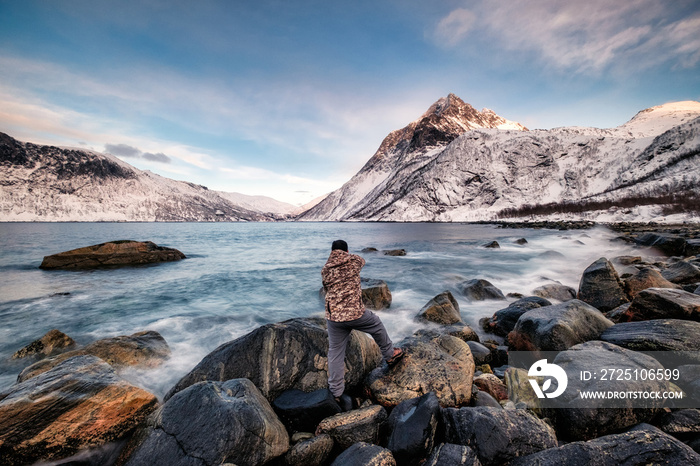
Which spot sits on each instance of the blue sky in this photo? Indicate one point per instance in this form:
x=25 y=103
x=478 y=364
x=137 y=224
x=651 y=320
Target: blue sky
x=290 y=98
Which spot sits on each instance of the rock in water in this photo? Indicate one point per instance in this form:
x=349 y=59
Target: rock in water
x=601 y=287
x=668 y=244
x=365 y=454
x=143 y=349
x=213 y=423
x=682 y=273
x=375 y=293
x=555 y=291
x=52 y=343
x=80 y=403
x=433 y=362
x=497 y=435
x=480 y=290
x=114 y=253
x=281 y=356
x=413 y=425
x=442 y=309
x=504 y=321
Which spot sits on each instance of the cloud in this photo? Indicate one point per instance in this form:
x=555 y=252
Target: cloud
x=455 y=26
x=159 y=157
x=125 y=150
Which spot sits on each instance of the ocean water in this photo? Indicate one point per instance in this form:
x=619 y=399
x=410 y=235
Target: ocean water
x=238 y=276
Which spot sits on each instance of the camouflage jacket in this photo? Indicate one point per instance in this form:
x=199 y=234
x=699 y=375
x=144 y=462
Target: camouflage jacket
x=341 y=281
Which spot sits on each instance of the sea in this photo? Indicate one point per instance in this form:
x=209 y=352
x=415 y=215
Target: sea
x=239 y=276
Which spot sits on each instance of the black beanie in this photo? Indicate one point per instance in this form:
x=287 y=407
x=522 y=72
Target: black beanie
x=339 y=244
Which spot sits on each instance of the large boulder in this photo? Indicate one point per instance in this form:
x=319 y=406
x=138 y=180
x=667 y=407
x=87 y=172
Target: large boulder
x=359 y=425
x=449 y=454
x=683 y=424
x=555 y=291
x=682 y=273
x=601 y=287
x=375 y=293
x=557 y=327
x=143 y=349
x=663 y=303
x=113 y=253
x=504 y=320
x=365 y=454
x=312 y=452
x=480 y=290
x=670 y=245
x=301 y=411
x=492 y=385
x=634 y=448
x=442 y=309
x=80 y=403
x=646 y=278
x=413 y=425
x=211 y=423
x=52 y=343
x=497 y=435
x=281 y=356
x=433 y=362
x=655 y=335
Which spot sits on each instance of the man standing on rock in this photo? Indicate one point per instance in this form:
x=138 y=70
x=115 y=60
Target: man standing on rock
x=345 y=312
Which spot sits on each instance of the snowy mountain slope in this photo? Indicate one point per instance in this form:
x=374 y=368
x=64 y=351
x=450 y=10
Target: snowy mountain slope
x=45 y=183
x=412 y=146
x=484 y=171
x=260 y=203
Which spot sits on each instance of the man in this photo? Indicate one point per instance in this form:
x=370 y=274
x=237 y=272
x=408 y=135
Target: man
x=345 y=312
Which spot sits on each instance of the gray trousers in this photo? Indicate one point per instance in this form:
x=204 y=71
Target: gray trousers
x=338 y=337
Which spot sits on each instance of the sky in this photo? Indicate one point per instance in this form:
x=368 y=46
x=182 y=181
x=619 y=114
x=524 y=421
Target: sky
x=289 y=99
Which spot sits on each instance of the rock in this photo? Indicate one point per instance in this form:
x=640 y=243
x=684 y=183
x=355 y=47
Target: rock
x=492 y=385
x=655 y=335
x=80 y=403
x=369 y=250
x=618 y=314
x=690 y=379
x=375 y=294
x=480 y=353
x=627 y=260
x=482 y=398
x=493 y=245
x=557 y=327
x=692 y=247
x=113 y=253
x=439 y=363
x=521 y=241
x=663 y=303
x=312 y=452
x=697 y=290
x=395 y=252
x=601 y=287
x=449 y=454
x=683 y=424
x=519 y=389
x=142 y=349
x=668 y=244
x=497 y=435
x=442 y=309
x=301 y=412
x=633 y=448
x=359 y=425
x=461 y=331
x=577 y=419
x=52 y=343
x=503 y=321
x=281 y=356
x=213 y=423
x=413 y=425
x=682 y=273
x=555 y=291
x=480 y=290
x=365 y=454
x=646 y=278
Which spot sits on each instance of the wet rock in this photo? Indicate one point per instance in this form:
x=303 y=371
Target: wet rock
x=619 y=313
x=683 y=424
x=480 y=353
x=682 y=273
x=497 y=435
x=369 y=250
x=655 y=335
x=628 y=260
x=492 y=245
x=492 y=385
x=480 y=290
x=281 y=356
x=663 y=303
x=557 y=327
x=433 y=362
x=413 y=425
x=521 y=241
x=461 y=331
x=311 y=452
x=449 y=454
x=633 y=448
x=668 y=244
x=442 y=309
x=395 y=252
x=301 y=411
x=601 y=287
x=365 y=454
x=692 y=247
x=375 y=293
x=54 y=342
x=646 y=278
x=359 y=425
x=114 y=253
x=142 y=349
x=555 y=291
x=213 y=423
x=80 y=403
x=503 y=321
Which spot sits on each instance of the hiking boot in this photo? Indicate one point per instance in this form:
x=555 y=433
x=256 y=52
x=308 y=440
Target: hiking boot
x=398 y=354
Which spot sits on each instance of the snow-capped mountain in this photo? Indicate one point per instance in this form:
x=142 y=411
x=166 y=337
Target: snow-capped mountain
x=46 y=183
x=443 y=169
